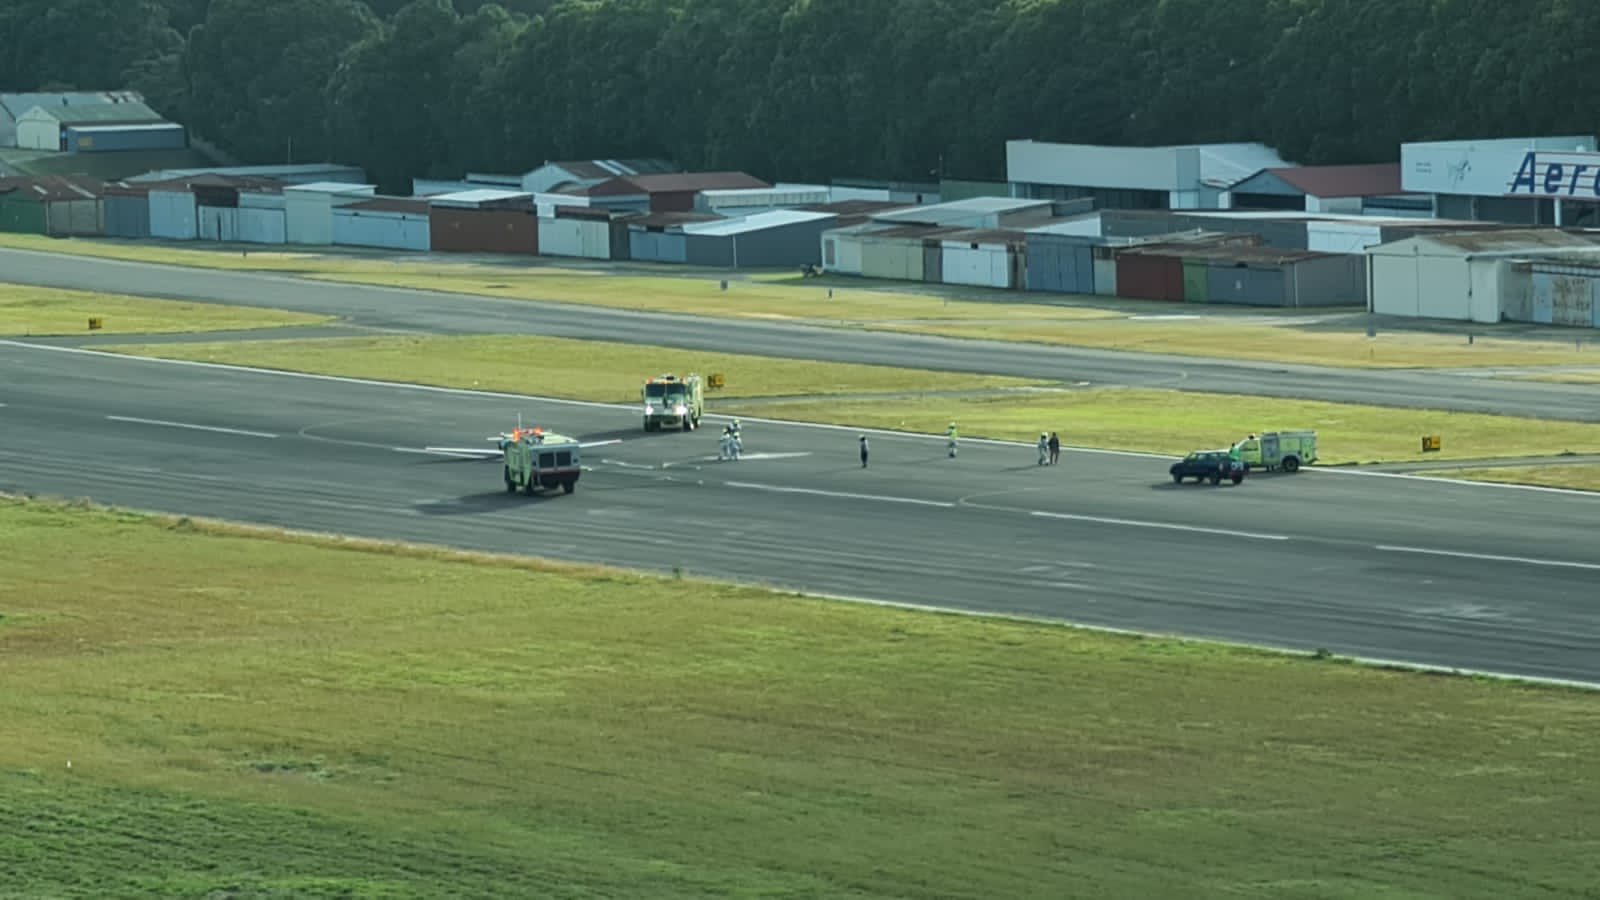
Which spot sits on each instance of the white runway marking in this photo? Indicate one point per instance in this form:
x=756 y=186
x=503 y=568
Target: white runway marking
x=626 y=465
x=1164 y=525
x=1491 y=557
x=785 y=423
x=843 y=495
x=166 y=424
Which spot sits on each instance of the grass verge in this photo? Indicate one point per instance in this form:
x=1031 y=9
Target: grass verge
x=1103 y=323
x=560 y=367
x=1576 y=476
x=403 y=722
x=1174 y=423
x=1152 y=421
x=28 y=310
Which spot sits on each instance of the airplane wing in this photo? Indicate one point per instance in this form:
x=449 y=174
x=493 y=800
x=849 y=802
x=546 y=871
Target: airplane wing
x=495 y=453
x=470 y=452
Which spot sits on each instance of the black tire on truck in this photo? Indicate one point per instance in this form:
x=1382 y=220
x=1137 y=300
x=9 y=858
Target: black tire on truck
x=511 y=484
x=1216 y=479
x=1291 y=464
x=1177 y=479
x=569 y=486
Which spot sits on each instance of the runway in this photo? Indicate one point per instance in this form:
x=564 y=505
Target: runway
x=1402 y=569
x=424 y=312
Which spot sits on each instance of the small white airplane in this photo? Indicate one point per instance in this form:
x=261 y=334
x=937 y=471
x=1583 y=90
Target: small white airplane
x=533 y=434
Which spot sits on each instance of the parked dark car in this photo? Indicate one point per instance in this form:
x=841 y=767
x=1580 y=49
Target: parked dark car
x=1208 y=465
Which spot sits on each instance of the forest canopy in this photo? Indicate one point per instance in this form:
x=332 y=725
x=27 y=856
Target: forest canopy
x=810 y=89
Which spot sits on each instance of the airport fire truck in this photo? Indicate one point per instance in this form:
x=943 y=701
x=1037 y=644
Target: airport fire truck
x=1271 y=450
x=673 y=402
x=540 y=460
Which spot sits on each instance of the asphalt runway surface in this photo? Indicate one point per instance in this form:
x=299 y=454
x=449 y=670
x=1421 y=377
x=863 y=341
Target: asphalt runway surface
x=424 y=312
x=1392 y=568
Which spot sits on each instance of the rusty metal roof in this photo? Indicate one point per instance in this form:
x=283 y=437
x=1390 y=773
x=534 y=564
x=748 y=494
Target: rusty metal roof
x=1380 y=180
x=1511 y=239
x=391 y=204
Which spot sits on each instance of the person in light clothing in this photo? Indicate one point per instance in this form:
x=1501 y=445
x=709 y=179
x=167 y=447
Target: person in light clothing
x=1044 y=448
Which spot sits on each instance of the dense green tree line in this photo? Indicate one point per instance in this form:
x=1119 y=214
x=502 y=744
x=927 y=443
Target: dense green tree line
x=807 y=89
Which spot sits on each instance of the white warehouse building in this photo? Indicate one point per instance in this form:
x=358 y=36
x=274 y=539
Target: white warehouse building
x=1187 y=177
x=1519 y=181
x=1485 y=276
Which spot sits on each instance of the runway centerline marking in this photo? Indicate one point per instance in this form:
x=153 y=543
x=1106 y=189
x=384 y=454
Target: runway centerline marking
x=1491 y=557
x=786 y=423
x=1169 y=526
x=164 y=423
x=842 y=495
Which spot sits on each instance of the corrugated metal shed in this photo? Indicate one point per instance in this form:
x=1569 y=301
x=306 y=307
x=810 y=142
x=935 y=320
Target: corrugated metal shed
x=100 y=113
x=899 y=252
x=393 y=223
x=737 y=201
x=659 y=237
x=484 y=229
x=1061 y=259
x=69 y=205
x=44 y=127
x=300 y=173
x=12 y=106
x=126 y=210
x=125 y=138
x=308 y=209
x=1263 y=276
x=763 y=240
x=584 y=233
x=977 y=212
x=484 y=198
x=982 y=258
x=672 y=192
x=1153 y=276
x=841 y=247
x=581 y=173
x=1469 y=276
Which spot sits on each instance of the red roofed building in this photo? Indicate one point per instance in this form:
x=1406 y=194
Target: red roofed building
x=1328 y=189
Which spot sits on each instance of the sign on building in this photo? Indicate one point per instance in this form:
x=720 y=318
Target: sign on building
x=1540 y=168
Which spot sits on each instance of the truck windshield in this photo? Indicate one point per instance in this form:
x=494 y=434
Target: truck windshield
x=655 y=390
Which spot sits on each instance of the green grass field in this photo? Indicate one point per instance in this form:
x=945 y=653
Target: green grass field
x=1105 y=323
x=559 y=367
x=1145 y=420
x=1577 y=476
x=374 y=721
x=27 y=310
x=1173 y=423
